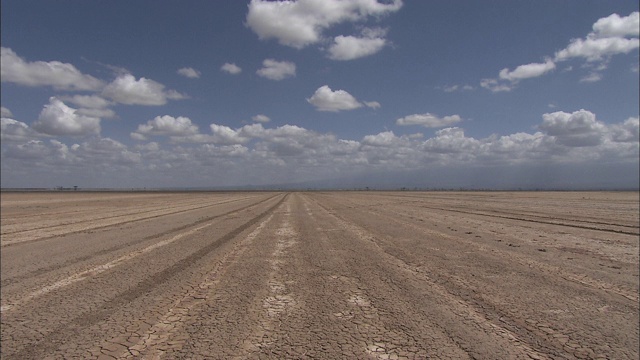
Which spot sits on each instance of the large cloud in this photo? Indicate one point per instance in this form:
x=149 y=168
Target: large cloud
x=5 y=113
x=125 y=89
x=301 y=23
x=325 y=99
x=428 y=120
x=56 y=118
x=40 y=73
x=277 y=70
x=579 y=128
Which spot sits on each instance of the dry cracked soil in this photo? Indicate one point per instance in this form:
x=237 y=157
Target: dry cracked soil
x=320 y=275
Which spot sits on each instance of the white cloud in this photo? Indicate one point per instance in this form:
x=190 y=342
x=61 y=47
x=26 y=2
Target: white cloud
x=231 y=68
x=40 y=73
x=576 y=129
x=592 y=77
x=324 y=99
x=165 y=126
x=87 y=101
x=261 y=118
x=609 y=37
x=189 y=72
x=616 y=26
x=595 y=49
x=453 y=88
x=56 y=118
x=628 y=131
x=527 y=71
x=125 y=89
x=301 y=23
x=15 y=131
x=495 y=86
x=372 y=104
x=351 y=47
x=5 y=113
x=428 y=120
x=277 y=70
x=289 y=153
x=226 y=135
x=383 y=139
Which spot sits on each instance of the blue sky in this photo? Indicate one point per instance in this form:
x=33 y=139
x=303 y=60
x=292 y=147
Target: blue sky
x=500 y=94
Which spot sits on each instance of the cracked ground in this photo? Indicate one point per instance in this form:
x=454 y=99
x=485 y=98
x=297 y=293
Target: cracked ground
x=320 y=275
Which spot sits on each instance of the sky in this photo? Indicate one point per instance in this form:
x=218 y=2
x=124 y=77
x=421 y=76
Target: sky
x=320 y=93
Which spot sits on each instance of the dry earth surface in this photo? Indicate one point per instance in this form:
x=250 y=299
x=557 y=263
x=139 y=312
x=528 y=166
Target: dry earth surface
x=355 y=275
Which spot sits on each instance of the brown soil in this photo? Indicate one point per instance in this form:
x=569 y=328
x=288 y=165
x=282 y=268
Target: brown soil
x=354 y=275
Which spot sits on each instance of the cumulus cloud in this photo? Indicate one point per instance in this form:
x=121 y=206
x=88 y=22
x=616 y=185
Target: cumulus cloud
x=125 y=89
x=277 y=70
x=383 y=139
x=527 y=71
x=352 y=47
x=428 y=120
x=191 y=73
x=231 y=68
x=56 y=118
x=609 y=37
x=253 y=154
x=57 y=74
x=325 y=99
x=15 y=131
x=5 y=113
x=261 y=118
x=576 y=129
x=616 y=26
x=594 y=49
x=301 y=23
x=165 y=126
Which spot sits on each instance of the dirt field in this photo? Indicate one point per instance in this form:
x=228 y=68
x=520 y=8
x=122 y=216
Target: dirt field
x=355 y=275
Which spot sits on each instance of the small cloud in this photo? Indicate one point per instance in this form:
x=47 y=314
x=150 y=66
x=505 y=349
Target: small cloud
x=592 y=77
x=277 y=70
x=495 y=86
x=428 y=120
x=231 y=68
x=191 y=73
x=261 y=118
x=351 y=47
x=324 y=99
x=372 y=104
x=165 y=126
x=125 y=89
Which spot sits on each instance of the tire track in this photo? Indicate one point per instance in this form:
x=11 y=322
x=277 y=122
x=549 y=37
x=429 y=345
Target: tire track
x=58 y=336
x=158 y=339
x=8 y=281
x=549 y=338
x=6 y=243
x=519 y=346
